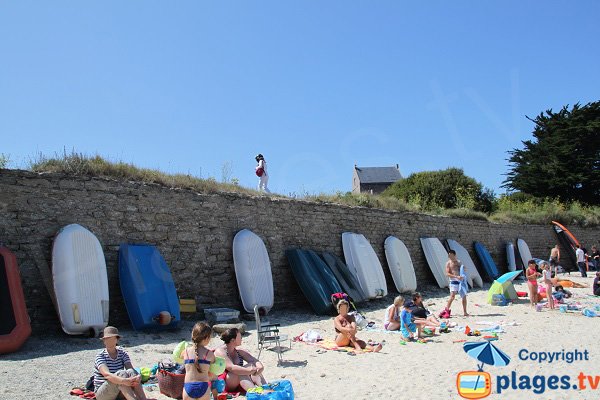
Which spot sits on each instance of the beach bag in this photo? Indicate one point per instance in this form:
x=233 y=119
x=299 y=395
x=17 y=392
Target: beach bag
x=499 y=300
x=260 y=171
x=170 y=383
x=361 y=321
x=276 y=390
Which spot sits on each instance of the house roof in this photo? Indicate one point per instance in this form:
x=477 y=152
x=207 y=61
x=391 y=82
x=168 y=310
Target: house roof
x=378 y=174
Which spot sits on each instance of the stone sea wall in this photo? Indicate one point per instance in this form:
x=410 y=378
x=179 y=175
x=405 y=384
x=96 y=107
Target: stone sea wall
x=194 y=233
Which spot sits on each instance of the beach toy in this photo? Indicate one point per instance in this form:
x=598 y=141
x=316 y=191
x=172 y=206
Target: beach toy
x=218 y=367
x=538 y=307
x=220 y=385
x=467 y=330
x=178 y=350
x=403 y=342
x=563 y=308
x=145 y=374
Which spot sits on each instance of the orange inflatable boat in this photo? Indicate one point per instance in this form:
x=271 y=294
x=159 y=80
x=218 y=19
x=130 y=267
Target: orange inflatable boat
x=14 y=320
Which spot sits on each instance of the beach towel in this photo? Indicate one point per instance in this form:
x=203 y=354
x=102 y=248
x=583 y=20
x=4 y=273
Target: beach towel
x=463 y=288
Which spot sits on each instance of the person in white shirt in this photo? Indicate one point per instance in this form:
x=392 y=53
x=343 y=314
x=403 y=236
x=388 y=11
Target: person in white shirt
x=261 y=172
x=581 y=261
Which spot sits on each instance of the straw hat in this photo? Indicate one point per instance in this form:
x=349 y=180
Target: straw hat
x=110 y=331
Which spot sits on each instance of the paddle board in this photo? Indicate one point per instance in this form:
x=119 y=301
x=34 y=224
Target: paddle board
x=362 y=260
x=400 y=264
x=253 y=271
x=80 y=281
x=473 y=277
x=436 y=256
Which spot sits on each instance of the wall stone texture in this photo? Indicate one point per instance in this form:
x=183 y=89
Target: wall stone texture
x=195 y=231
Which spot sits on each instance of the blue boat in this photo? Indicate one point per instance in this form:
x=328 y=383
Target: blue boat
x=315 y=279
x=148 y=288
x=486 y=260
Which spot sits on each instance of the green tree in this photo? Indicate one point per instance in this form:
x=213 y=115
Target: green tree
x=563 y=159
x=449 y=188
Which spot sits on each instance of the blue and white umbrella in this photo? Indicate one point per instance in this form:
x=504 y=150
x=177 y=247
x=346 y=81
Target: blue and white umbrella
x=486 y=353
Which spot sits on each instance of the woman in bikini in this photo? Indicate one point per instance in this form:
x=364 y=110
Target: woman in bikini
x=243 y=370
x=345 y=327
x=197 y=360
x=531 y=274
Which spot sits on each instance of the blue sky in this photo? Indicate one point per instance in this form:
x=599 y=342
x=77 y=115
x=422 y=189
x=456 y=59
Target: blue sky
x=315 y=86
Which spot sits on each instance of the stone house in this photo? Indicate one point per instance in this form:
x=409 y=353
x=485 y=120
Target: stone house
x=374 y=180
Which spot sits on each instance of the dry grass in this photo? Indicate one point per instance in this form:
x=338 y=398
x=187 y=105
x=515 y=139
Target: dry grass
x=509 y=212
x=82 y=165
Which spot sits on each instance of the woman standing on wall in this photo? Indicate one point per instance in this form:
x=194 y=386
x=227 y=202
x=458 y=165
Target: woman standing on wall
x=261 y=172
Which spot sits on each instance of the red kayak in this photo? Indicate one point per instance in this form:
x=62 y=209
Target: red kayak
x=14 y=320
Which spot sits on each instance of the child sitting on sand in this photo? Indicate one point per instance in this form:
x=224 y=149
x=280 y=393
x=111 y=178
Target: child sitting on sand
x=391 y=321
x=345 y=327
x=560 y=294
x=408 y=328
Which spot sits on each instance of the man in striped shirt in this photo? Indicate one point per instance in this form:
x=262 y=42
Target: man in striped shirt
x=113 y=372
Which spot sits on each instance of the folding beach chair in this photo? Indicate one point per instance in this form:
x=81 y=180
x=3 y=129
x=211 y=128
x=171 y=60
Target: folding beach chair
x=269 y=336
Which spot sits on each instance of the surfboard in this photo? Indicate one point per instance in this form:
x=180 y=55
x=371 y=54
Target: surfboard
x=362 y=260
x=80 y=281
x=486 y=260
x=436 y=256
x=147 y=287
x=345 y=278
x=400 y=264
x=473 y=277
x=14 y=320
x=253 y=271
x=510 y=256
x=315 y=279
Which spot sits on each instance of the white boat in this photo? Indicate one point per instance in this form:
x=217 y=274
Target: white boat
x=462 y=254
x=510 y=256
x=79 y=280
x=400 y=264
x=436 y=256
x=362 y=261
x=253 y=271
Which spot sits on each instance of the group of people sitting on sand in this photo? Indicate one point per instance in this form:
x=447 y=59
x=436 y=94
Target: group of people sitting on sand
x=115 y=376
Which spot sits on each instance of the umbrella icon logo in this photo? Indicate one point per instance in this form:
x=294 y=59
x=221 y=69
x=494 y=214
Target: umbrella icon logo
x=478 y=384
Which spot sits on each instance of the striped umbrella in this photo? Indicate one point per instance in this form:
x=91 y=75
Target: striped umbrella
x=486 y=353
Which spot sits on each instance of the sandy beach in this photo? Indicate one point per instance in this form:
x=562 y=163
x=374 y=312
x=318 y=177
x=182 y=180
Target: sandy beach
x=47 y=367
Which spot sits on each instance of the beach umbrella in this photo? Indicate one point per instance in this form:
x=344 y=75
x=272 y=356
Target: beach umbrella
x=509 y=276
x=486 y=353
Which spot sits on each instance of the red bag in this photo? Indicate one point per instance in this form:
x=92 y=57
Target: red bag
x=260 y=171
